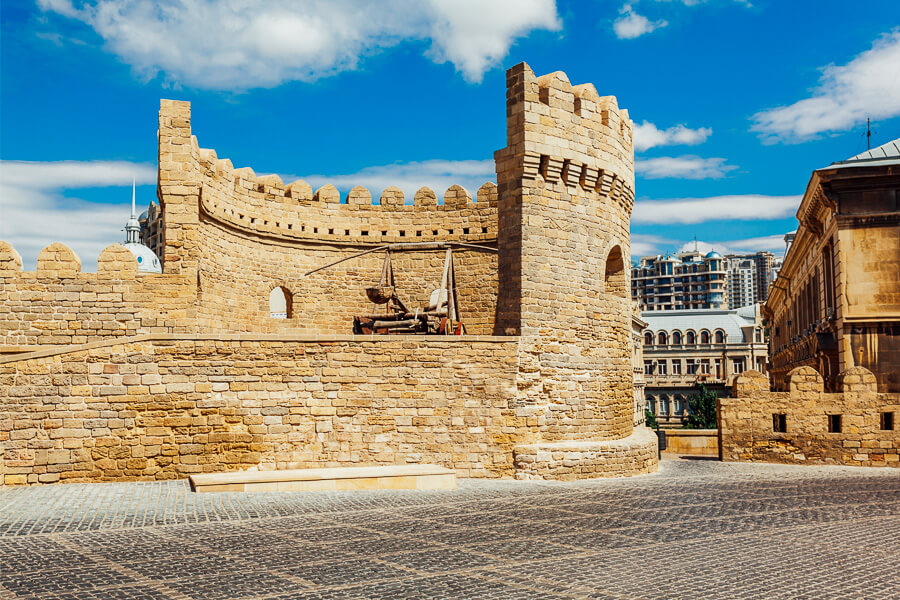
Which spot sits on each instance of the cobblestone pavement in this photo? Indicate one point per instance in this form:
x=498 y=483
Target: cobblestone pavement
x=697 y=529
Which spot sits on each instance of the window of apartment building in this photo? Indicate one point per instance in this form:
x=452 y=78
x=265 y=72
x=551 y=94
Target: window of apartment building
x=718 y=365
x=834 y=423
x=676 y=367
x=887 y=421
x=704 y=337
x=737 y=365
x=761 y=364
x=648 y=367
x=664 y=405
x=720 y=337
x=663 y=338
x=779 y=423
x=679 y=404
x=704 y=367
x=651 y=405
x=691 y=338
x=691 y=367
x=661 y=367
x=648 y=339
x=676 y=338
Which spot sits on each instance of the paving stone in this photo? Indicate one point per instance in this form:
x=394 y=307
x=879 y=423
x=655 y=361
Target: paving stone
x=696 y=530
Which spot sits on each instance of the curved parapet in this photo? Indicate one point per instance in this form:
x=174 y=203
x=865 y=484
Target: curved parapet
x=487 y=194
x=117 y=262
x=58 y=260
x=425 y=197
x=804 y=380
x=391 y=197
x=748 y=383
x=10 y=261
x=456 y=197
x=858 y=380
x=263 y=205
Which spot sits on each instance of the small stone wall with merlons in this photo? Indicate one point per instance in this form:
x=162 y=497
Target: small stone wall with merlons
x=168 y=406
x=58 y=304
x=747 y=431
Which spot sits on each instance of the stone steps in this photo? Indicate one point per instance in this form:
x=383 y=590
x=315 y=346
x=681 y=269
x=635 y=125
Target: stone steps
x=387 y=477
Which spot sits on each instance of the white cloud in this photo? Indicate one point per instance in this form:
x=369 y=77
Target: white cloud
x=409 y=177
x=251 y=43
x=647 y=135
x=648 y=245
x=35 y=214
x=716 y=208
x=682 y=167
x=632 y=25
x=869 y=85
x=651 y=245
x=772 y=243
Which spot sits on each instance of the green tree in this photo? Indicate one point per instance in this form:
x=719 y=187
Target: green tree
x=649 y=419
x=702 y=409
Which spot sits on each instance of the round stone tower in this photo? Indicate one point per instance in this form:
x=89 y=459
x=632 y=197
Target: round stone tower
x=566 y=190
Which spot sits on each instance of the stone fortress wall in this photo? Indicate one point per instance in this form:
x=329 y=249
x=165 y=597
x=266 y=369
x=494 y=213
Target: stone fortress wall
x=187 y=372
x=59 y=305
x=749 y=427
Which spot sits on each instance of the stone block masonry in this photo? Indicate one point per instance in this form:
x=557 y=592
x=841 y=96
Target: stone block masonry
x=116 y=375
x=807 y=425
x=167 y=406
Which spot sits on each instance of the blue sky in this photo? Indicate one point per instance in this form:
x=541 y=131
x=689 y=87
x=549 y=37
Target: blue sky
x=735 y=103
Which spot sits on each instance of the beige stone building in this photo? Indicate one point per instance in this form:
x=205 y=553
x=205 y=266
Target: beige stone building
x=240 y=354
x=638 y=326
x=836 y=301
x=687 y=347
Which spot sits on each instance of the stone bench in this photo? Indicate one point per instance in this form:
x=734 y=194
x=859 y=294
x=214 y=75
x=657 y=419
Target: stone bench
x=388 y=477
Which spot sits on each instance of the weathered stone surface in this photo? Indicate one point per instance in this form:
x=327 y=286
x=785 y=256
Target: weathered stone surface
x=156 y=376
x=747 y=427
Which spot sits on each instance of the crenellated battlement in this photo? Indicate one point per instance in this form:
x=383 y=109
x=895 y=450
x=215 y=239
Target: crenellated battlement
x=58 y=262
x=568 y=135
x=264 y=205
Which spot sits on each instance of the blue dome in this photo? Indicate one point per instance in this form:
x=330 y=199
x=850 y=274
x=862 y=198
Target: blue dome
x=713 y=254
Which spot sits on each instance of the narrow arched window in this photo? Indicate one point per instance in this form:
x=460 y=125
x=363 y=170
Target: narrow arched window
x=648 y=339
x=615 y=282
x=663 y=339
x=720 y=337
x=676 y=338
x=691 y=338
x=704 y=337
x=280 y=303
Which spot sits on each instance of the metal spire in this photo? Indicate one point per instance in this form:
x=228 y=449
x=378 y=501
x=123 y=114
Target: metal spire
x=133 y=227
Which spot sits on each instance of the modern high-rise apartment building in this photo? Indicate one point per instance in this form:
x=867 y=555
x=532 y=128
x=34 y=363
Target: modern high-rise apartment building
x=686 y=280
x=749 y=278
x=691 y=280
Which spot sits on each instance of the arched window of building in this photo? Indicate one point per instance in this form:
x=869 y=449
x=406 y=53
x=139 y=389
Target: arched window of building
x=664 y=405
x=679 y=404
x=676 y=338
x=691 y=338
x=615 y=281
x=663 y=338
x=720 y=337
x=651 y=405
x=704 y=337
x=648 y=339
x=280 y=303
